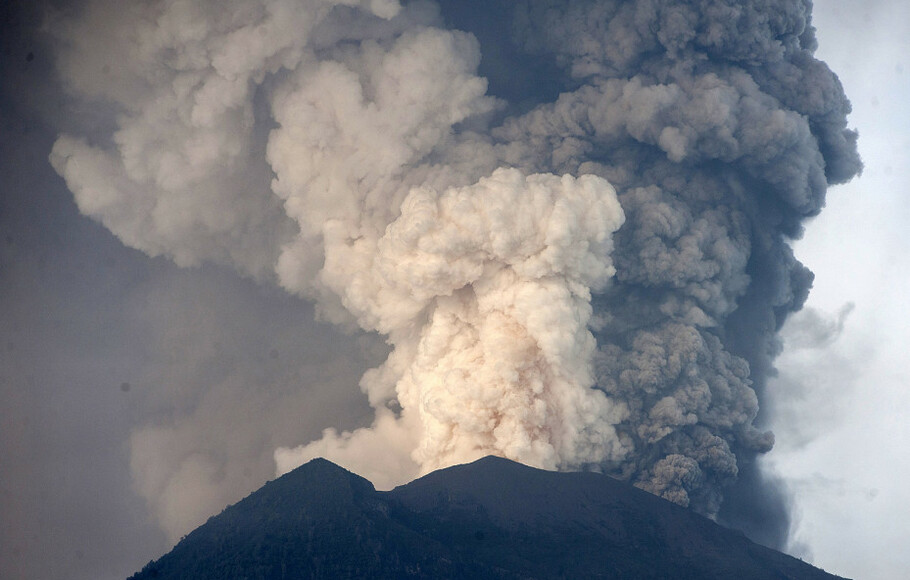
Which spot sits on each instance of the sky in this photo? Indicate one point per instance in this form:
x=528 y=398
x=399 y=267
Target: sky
x=138 y=397
x=848 y=465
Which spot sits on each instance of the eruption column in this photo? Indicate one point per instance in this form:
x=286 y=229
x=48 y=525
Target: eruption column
x=570 y=219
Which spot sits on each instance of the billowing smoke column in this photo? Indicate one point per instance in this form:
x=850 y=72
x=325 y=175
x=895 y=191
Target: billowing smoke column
x=568 y=218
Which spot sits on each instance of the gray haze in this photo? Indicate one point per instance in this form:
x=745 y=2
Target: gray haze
x=396 y=166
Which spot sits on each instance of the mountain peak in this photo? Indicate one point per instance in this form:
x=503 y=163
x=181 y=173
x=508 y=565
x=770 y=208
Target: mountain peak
x=492 y=518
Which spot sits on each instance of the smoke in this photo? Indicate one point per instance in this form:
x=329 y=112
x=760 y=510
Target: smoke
x=816 y=373
x=569 y=219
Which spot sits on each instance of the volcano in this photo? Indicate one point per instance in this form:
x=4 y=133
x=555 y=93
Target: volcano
x=492 y=518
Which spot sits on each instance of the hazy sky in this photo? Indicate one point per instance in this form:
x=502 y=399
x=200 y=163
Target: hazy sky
x=844 y=443
x=116 y=367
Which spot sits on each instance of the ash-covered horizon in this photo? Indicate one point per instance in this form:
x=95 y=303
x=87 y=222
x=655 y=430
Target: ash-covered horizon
x=569 y=221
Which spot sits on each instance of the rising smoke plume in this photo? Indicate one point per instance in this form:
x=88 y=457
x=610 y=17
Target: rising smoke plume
x=568 y=219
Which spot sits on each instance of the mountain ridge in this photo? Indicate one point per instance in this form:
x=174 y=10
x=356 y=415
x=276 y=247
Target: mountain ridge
x=492 y=518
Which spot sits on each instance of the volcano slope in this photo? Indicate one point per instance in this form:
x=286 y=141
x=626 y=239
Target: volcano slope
x=492 y=518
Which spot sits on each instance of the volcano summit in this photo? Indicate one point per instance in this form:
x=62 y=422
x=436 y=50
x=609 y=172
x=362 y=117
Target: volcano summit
x=493 y=518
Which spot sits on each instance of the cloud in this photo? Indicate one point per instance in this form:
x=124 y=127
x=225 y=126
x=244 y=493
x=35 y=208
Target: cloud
x=591 y=277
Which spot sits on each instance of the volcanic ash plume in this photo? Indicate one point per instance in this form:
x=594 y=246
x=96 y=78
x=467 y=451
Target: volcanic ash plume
x=484 y=292
x=444 y=174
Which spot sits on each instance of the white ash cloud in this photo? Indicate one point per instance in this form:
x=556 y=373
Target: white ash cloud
x=589 y=278
x=484 y=292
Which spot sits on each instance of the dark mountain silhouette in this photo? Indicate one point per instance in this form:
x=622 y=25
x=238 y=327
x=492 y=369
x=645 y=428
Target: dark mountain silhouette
x=493 y=518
